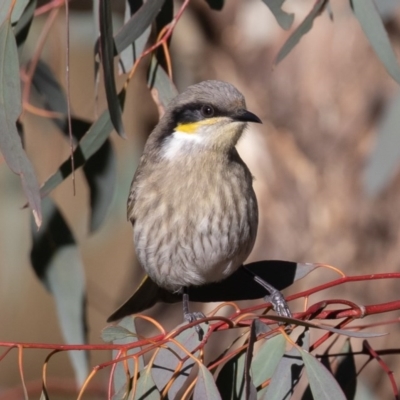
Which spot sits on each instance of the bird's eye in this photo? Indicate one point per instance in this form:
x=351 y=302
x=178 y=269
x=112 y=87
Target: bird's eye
x=207 y=111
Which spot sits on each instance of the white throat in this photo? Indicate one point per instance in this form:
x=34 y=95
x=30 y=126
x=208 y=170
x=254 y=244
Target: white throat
x=181 y=142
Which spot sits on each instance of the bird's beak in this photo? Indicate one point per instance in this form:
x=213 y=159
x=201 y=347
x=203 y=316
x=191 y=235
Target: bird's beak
x=246 y=116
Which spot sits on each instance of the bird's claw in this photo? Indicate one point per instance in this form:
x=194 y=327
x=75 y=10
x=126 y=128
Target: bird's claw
x=193 y=316
x=278 y=304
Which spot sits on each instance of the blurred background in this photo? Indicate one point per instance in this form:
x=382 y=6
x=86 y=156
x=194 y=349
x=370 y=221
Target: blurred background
x=322 y=109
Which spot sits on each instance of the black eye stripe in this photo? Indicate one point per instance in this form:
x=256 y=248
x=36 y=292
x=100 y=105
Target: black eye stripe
x=193 y=112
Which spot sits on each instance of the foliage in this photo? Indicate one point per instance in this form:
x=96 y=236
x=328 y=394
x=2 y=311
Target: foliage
x=283 y=356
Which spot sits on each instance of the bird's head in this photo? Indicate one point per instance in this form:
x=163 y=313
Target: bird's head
x=208 y=115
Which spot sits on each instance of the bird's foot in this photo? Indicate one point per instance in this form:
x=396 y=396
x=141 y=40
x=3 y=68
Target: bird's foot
x=193 y=316
x=278 y=303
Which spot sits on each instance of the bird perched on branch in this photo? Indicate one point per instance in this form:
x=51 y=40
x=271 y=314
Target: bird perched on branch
x=191 y=203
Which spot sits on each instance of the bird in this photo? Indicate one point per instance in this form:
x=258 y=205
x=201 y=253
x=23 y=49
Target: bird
x=191 y=203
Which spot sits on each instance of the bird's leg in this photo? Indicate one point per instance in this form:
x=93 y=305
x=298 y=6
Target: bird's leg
x=275 y=297
x=191 y=316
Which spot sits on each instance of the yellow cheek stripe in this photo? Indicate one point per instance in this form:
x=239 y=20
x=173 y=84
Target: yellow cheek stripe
x=192 y=127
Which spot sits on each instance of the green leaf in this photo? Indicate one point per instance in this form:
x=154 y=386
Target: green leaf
x=167 y=361
x=100 y=169
x=89 y=145
x=22 y=27
x=137 y=25
x=131 y=53
x=284 y=19
x=58 y=263
x=301 y=30
x=205 y=386
x=372 y=25
x=107 y=60
x=5 y=6
x=323 y=384
x=286 y=376
x=10 y=109
x=160 y=81
x=146 y=389
x=111 y=333
x=385 y=158
x=267 y=359
x=121 y=379
x=18 y=10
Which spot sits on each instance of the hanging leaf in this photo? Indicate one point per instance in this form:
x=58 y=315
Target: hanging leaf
x=138 y=23
x=101 y=169
x=288 y=372
x=301 y=30
x=58 y=264
x=372 y=25
x=10 y=109
x=322 y=383
x=205 y=386
x=146 y=389
x=266 y=360
x=107 y=60
x=385 y=157
x=124 y=333
x=22 y=26
x=131 y=53
x=167 y=361
x=162 y=87
x=284 y=19
x=89 y=145
x=19 y=8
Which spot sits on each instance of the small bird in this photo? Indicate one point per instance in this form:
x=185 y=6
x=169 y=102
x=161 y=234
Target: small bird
x=191 y=204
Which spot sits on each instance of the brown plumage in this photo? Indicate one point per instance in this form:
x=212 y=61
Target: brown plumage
x=191 y=203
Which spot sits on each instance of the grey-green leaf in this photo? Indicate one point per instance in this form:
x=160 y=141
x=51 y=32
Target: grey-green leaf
x=126 y=327
x=372 y=25
x=267 y=359
x=137 y=24
x=385 y=157
x=146 y=389
x=58 y=263
x=301 y=30
x=286 y=376
x=323 y=385
x=90 y=143
x=284 y=19
x=107 y=60
x=205 y=388
x=10 y=109
x=167 y=361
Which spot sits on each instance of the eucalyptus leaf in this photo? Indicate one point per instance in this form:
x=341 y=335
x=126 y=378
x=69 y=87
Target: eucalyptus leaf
x=107 y=60
x=385 y=157
x=301 y=30
x=205 y=387
x=372 y=25
x=10 y=109
x=57 y=262
x=322 y=383
x=284 y=19
x=167 y=361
